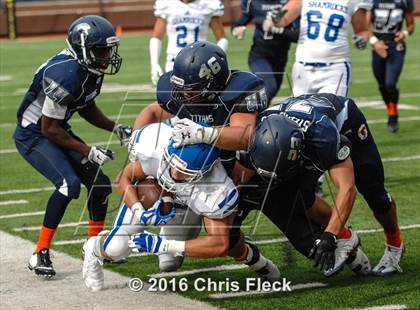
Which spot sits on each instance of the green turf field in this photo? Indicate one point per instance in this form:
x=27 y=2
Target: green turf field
x=400 y=151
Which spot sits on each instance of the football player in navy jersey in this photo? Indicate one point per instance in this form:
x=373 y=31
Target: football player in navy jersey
x=320 y=133
x=268 y=55
x=387 y=18
x=202 y=88
x=67 y=83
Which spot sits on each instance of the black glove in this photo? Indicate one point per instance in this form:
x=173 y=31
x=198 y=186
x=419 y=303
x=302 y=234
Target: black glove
x=277 y=14
x=323 y=251
x=123 y=133
x=360 y=42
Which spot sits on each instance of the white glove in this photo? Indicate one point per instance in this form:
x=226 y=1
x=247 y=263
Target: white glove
x=239 y=32
x=123 y=133
x=187 y=132
x=100 y=155
x=156 y=73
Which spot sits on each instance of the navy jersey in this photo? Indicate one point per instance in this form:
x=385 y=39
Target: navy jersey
x=388 y=17
x=244 y=92
x=323 y=117
x=60 y=87
x=265 y=44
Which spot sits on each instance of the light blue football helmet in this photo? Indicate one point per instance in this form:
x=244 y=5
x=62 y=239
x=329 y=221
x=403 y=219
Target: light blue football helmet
x=193 y=161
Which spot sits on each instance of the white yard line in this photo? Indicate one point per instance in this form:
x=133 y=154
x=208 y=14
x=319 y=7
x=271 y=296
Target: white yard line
x=200 y=270
x=390 y=159
x=66 y=242
x=25 y=191
x=36 y=228
x=13 y=202
x=296 y=287
x=15 y=215
x=21 y=289
x=384 y=307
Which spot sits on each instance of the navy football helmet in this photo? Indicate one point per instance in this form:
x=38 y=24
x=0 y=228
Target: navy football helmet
x=190 y=161
x=93 y=41
x=275 y=151
x=200 y=71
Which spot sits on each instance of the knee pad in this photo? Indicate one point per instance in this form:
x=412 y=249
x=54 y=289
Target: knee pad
x=71 y=187
x=116 y=244
x=379 y=202
x=169 y=262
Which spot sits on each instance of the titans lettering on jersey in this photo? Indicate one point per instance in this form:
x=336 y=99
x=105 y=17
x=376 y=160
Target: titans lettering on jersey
x=322 y=117
x=186 y=23
x=324 y=29
x=60 y=87
x=245 y=93
x=388 y=17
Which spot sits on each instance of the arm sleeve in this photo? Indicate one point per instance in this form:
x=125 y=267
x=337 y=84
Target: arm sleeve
x=54 y=110
x=245 y=16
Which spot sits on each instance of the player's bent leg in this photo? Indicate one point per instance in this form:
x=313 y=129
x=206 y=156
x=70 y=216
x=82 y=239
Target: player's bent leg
x=52 y=163
x=186 y=225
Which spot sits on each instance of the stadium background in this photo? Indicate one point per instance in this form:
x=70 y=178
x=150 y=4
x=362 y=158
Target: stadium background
x=125 y=94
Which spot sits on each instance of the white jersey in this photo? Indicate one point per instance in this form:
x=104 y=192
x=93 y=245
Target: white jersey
x=324 y=27
x=186 y=23
x=214 y=196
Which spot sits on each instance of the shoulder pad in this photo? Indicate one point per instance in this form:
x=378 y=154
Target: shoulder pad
x=62 y=79
x=161 y=8
x=164 y=89
x=324 y=141
x=216 y=7
x=246 y=91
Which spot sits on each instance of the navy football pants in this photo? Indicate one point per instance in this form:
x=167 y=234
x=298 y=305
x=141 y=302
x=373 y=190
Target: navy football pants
x=65 y=170
x=270 y=71
x=387 y=71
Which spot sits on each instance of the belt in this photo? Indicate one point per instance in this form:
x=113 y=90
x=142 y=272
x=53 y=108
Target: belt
x=316 y=64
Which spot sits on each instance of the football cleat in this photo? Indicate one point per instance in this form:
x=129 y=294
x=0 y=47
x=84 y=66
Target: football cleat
x=93 y=274
x=269 y=272
x=345 y=247
x=359 y=263
x=393 y=125
x=390 y=261
x=41 y=264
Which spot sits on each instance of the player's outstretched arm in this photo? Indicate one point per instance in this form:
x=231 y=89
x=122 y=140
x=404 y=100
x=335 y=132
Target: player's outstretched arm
x=342 y=175
x=153 y=113
x=237 y=135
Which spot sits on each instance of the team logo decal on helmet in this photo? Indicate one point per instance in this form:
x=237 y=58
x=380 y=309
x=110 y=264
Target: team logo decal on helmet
x=93 y=42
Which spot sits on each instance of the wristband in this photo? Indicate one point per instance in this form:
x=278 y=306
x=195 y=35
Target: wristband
x=174 y=247
x=168 y=199
x=137 y=209
x=373 y=40
x=223 y=43
x=406 y=34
